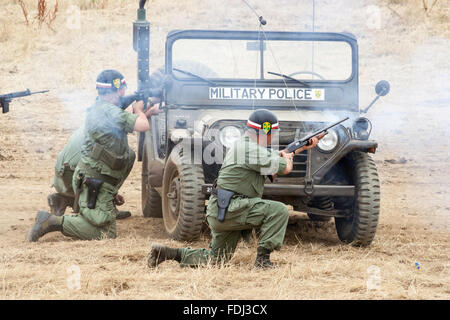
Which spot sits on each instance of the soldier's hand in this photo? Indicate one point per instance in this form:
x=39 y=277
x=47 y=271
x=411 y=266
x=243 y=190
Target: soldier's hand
x=314 y=141
x=119 y=200
x=287 y=155
x=153 y=110
x=138 y=107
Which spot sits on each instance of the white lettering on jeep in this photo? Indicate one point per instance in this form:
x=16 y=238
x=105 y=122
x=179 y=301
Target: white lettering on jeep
x=228 y=93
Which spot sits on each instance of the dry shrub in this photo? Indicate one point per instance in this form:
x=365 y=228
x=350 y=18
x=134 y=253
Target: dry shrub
x=44 y=13
x=24 y=10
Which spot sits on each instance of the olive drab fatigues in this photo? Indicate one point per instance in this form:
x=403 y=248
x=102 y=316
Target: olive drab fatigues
x=66 y=163
x=244 y=172
x=105 y=155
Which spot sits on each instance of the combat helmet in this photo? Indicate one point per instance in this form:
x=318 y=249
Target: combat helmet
x=110 y=81
x=263 y=121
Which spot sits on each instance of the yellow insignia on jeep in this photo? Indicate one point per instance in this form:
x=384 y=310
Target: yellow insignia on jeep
x=266 y=127
x=116 y=83
x=318 y=93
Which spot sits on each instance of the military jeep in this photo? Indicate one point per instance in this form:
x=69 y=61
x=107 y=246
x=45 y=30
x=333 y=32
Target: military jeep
x=217 y=78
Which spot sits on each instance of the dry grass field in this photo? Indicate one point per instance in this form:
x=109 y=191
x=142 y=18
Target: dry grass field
x=410 y=256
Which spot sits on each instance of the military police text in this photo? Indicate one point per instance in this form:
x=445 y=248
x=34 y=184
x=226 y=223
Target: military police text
x=226 y=93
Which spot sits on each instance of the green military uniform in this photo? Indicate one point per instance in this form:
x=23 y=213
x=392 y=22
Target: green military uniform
x=66 y=163
x=105 y=155
x=244 y=172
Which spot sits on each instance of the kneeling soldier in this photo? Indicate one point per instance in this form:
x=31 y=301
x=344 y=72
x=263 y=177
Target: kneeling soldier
x=236 y=206
x=65 y=166
x=104 y=164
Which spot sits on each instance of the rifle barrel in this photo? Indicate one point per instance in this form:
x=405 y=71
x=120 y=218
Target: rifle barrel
x=43 y=91
x=304 y=141
x=324 y=129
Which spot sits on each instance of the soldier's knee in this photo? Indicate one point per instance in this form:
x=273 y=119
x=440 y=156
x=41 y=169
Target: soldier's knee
x=278 y=210
x=282 y=211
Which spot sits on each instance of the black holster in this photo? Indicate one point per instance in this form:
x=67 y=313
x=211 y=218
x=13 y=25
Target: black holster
x=93 y=190
x=223 y=201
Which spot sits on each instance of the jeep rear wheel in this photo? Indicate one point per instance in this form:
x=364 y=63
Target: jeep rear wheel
x=151 y=200
x=183 y=203
x=360 y=228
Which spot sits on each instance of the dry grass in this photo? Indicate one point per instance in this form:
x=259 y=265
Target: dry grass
x=312 y=264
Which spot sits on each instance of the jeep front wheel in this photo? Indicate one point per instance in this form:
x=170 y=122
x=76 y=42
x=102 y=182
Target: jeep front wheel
x=183 y=203
x=359 y=228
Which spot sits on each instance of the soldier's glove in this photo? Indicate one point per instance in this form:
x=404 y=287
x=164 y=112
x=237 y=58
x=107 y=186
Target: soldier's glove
x=119 y=200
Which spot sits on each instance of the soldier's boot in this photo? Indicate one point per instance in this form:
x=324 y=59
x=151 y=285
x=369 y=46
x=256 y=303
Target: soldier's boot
x=58 y=203
x=263 y=259
x=159 y=253
x=122 y=214
x=45 y=222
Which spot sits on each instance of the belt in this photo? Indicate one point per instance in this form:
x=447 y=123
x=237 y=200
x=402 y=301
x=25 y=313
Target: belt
x=92 y=173
x=214 y=192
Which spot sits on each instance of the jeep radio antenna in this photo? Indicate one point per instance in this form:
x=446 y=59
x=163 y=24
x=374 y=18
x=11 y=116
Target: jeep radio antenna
x=313 y=30
x=262 y=21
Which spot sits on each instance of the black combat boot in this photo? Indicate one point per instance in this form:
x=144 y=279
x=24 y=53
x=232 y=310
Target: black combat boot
x=159 y=253
x=122 y=214
x=45 y=223
x=263 y=259
x=58 y=203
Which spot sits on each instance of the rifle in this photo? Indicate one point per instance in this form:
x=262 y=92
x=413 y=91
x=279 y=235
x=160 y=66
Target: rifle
x=297 y=144
x=143 y=95
x=5 y=99
x=293 y=146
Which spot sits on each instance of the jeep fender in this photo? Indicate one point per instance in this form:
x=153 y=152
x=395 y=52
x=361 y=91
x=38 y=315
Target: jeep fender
x=318 y=172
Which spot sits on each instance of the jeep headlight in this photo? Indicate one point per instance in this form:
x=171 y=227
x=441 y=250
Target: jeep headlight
x=228 y=135
x=329 y=142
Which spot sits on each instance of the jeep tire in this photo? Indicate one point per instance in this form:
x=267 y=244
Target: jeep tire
x=183 y=203
x=360 y=228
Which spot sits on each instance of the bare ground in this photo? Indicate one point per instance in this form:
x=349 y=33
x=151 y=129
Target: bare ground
x=410 y=123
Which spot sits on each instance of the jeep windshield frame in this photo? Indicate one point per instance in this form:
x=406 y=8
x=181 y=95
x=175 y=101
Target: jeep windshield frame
x=188 y=92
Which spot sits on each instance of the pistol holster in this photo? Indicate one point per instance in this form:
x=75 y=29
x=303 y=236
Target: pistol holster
x=93 y=190
x=223 y=201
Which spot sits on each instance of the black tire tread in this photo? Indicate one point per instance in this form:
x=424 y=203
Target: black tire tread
x=192 y=206
x=367 y=203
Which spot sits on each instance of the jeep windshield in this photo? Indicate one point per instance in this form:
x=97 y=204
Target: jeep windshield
x=247 y=69
x=227 y=58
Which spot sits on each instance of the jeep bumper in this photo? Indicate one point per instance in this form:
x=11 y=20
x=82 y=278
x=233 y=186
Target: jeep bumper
x=299 y=190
